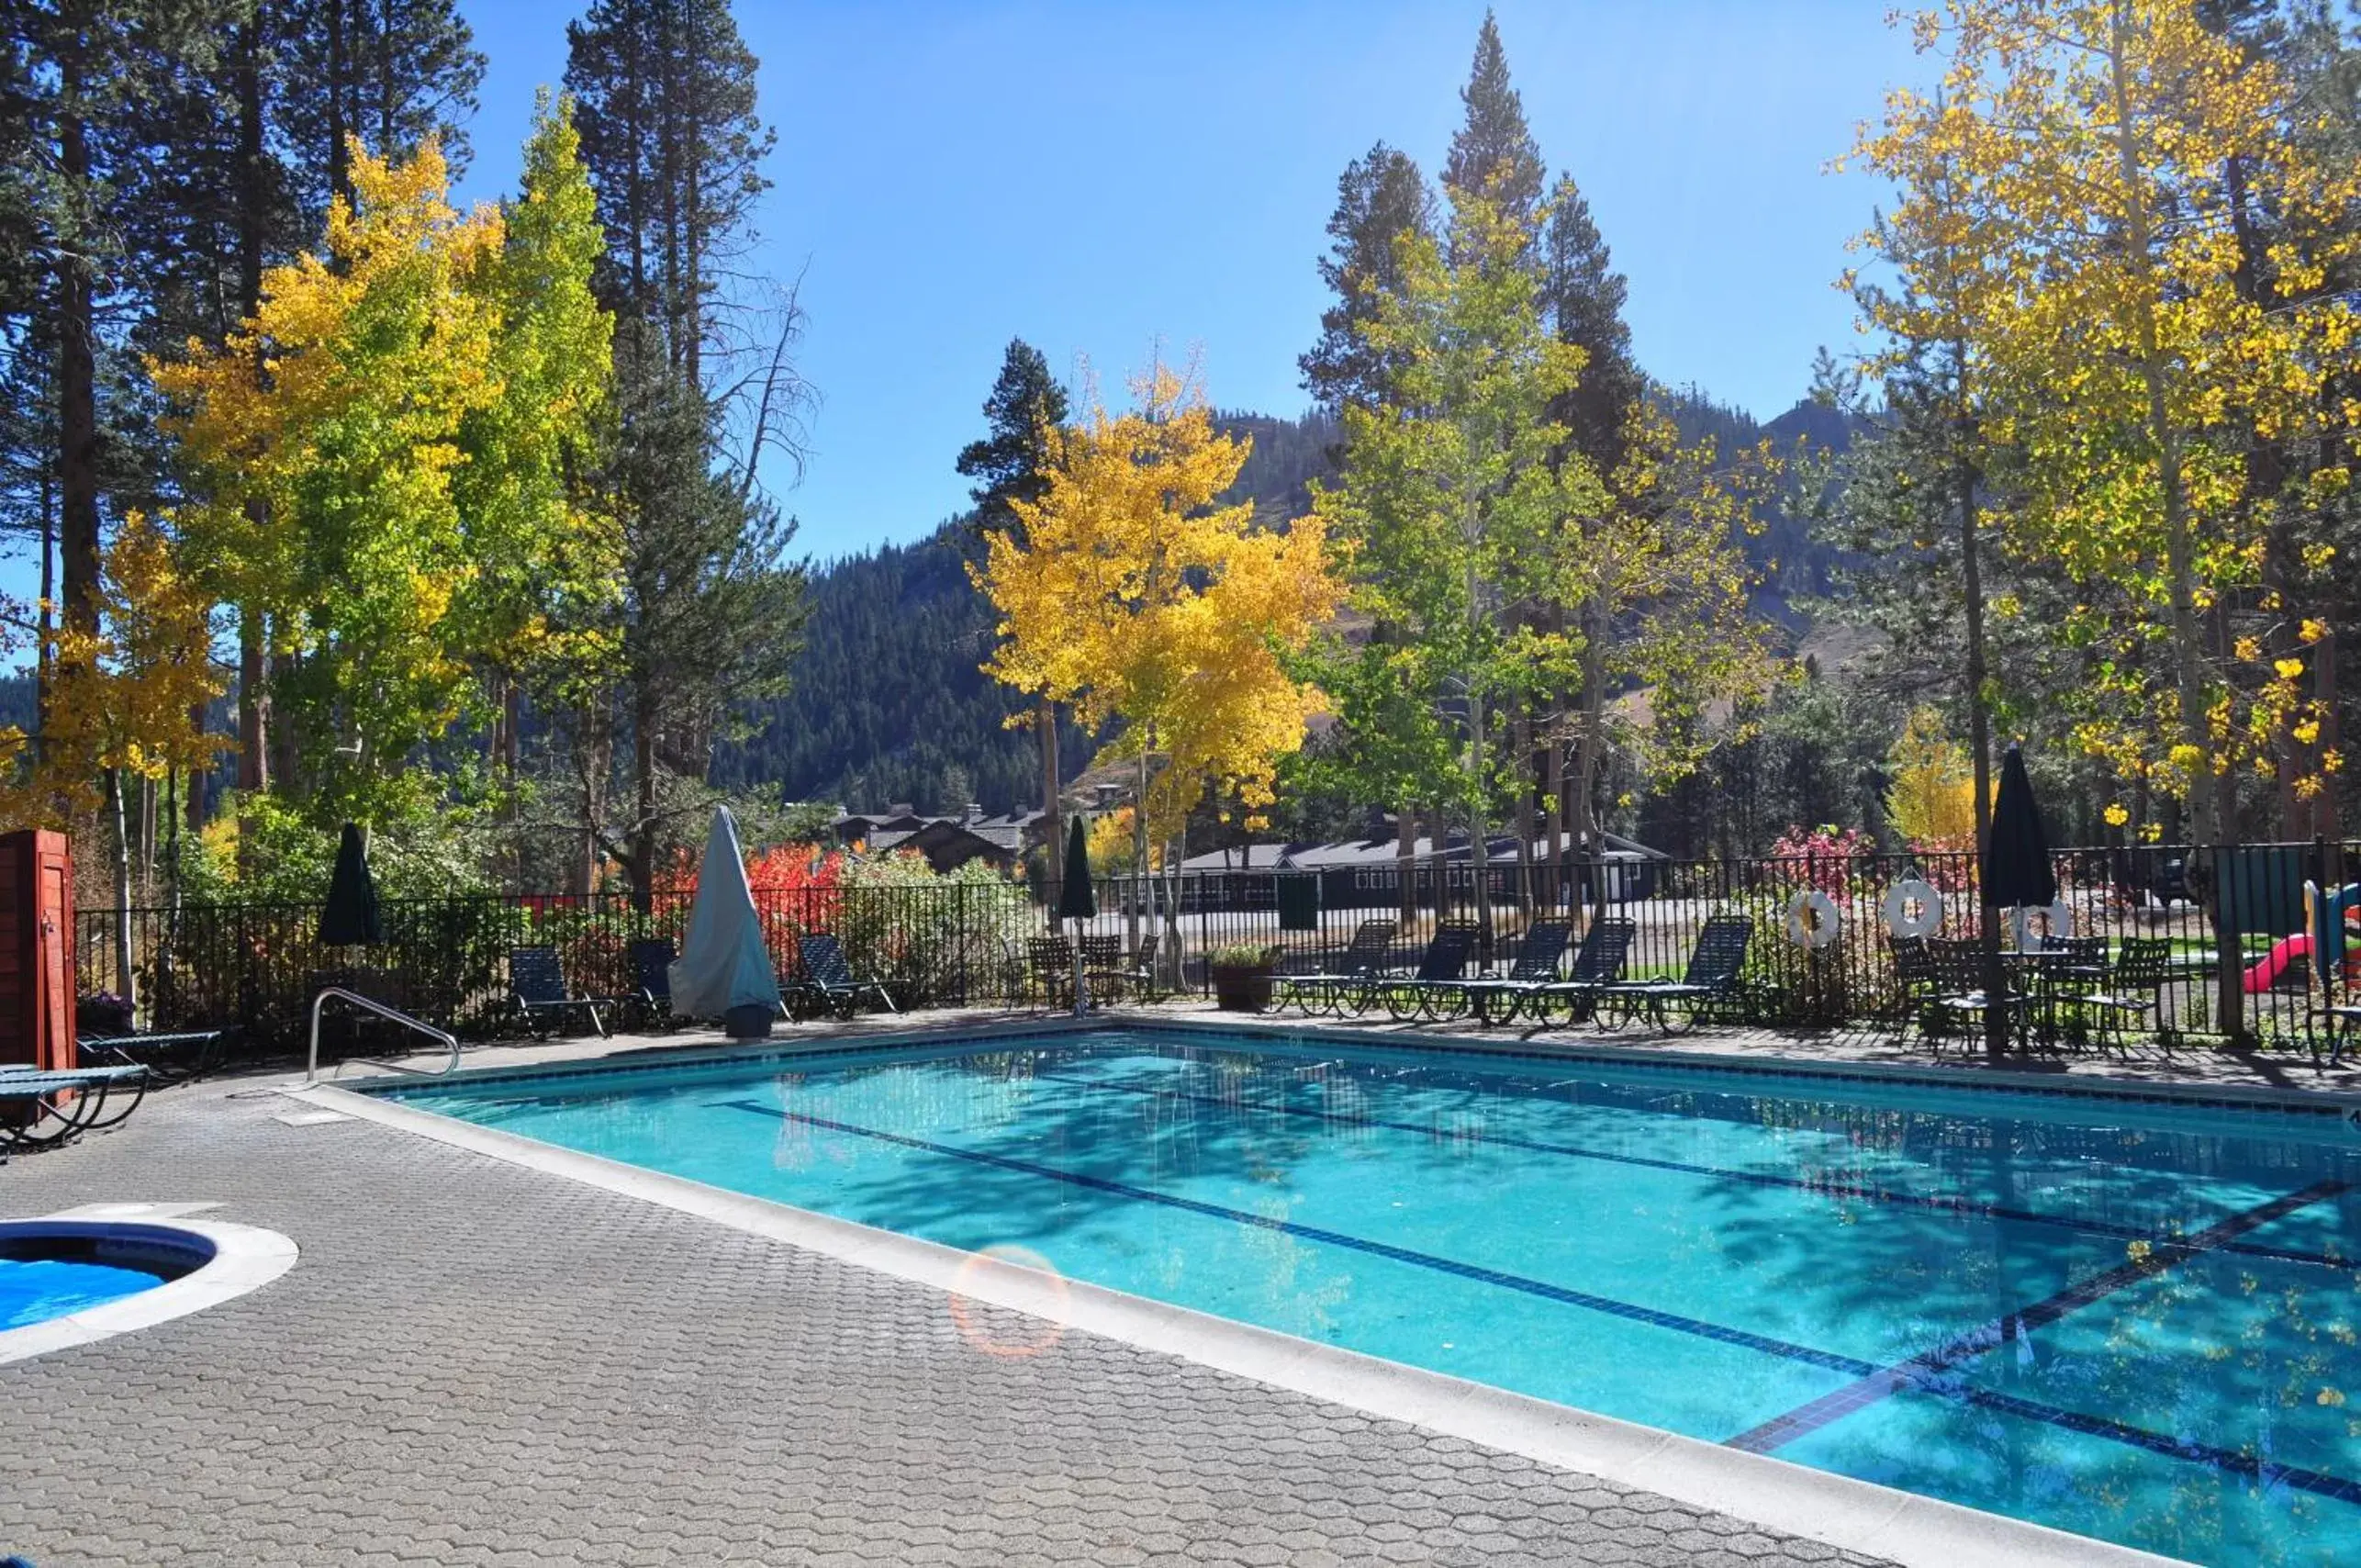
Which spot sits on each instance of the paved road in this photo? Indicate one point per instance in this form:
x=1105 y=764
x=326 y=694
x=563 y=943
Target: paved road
x=476 y=1364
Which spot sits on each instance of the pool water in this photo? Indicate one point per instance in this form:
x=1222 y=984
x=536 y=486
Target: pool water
x=33 y=1290
x=2126 y=1319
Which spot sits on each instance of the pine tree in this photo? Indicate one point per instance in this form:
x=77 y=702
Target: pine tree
x=1381 y=198
x=1584 y=297
x=390 y=73
x=1026 y=414
x=711 y=611
x=1494 y=155
x=675 y=147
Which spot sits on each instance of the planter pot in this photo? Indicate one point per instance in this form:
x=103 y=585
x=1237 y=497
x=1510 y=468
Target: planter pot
x=1242 y=988
x=749 y=1022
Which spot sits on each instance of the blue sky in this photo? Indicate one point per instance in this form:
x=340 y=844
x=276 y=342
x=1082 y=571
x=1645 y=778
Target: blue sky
x=1097 y=178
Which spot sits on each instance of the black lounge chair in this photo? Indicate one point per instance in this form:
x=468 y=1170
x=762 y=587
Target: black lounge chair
x=1534 y=969
x=651 y=997
x=1598 y=963
x=1712 y=976
x=1914 y=982
x=826 y=982
x=41 y=1109
x=1432 y=991
x=1333 y=991
x=537 y=988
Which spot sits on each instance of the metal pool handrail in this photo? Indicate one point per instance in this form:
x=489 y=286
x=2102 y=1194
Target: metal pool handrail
x=311 y=1066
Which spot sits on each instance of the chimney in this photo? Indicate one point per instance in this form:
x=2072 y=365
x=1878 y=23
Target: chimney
x=975 y=811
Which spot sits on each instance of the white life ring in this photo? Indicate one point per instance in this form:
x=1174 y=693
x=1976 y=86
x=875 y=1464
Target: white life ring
x=1903 y=926
x=1812 y=919
x=2057 y=920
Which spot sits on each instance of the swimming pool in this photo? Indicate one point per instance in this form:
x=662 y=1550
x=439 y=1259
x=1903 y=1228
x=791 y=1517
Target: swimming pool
x=51 y=1278
x=2126 y=1318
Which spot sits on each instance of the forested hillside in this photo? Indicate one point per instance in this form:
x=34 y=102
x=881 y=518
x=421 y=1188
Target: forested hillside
x=890 y=704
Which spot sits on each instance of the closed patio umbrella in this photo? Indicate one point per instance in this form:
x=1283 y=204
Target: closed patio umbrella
x=1078 y=901
x=724 y=971
x=349 y=918
x=2016 y=871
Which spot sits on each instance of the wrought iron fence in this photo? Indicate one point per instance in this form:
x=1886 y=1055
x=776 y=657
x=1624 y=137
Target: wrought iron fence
x=254 y=967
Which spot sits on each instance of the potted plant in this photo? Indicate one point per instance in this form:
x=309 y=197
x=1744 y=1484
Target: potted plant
x=1241 y=974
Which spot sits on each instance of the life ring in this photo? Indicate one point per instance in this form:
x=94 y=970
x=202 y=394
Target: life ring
x=2057 y=923
x=1903 y=926
x=1812 y=919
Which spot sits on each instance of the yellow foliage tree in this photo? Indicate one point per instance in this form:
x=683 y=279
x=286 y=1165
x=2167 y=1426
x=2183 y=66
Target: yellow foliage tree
x=1125 y=592
x=1931 y=798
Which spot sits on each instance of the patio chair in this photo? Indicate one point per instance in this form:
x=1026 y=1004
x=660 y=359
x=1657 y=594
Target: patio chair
x=41 y=1109
x=1431 y=992
x=1535 y=966
x=2133 y=989
x=1960 y=991
x=1711 y=977
x=1117 y=980
x=1357 y=968
x=1598 y=963
x=537 y=990
x=651 y=997
x=1914 y=982
x=1050 y=961
x=826 y=982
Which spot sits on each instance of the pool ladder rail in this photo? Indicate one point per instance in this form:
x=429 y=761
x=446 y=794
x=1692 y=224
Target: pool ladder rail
x=369 y=1004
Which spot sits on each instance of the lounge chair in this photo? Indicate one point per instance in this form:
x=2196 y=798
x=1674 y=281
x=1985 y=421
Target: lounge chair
x=1432 y=992
x=1535 y=966
x=40 y=1109
x=1598 y=963
x=826 y=984
x=1712 y=976
x=537 y=989
x=651 y=996
x=170 y=1057
x=1914 y=982
x=1357 y=970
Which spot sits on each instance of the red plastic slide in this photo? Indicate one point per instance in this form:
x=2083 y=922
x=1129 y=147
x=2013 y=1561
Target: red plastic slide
x=2265 y=975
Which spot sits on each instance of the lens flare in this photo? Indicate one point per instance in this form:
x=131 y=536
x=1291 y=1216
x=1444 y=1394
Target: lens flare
x=1000 y=1331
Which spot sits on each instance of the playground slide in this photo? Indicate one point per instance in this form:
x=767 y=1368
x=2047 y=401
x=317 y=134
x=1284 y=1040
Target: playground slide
x=2285 y=951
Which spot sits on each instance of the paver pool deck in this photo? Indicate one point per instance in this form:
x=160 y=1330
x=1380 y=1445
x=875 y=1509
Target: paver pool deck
x=477 y=1364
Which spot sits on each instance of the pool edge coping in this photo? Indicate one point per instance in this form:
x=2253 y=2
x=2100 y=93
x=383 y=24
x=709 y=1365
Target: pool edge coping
x=2330 y=1106
x=245 y=1258
x=1776 y=1494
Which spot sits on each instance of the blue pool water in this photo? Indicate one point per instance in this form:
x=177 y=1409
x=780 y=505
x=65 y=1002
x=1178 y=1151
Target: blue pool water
x=2130 y=1320
x=33 y=1290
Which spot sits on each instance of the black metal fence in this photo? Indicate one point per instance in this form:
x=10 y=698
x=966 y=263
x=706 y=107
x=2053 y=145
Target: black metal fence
x=256 y=967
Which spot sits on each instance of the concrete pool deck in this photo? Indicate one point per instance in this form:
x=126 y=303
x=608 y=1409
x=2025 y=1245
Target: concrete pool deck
x=475 y=1361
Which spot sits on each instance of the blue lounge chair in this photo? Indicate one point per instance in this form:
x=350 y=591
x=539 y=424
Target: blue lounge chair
x=40 y=1109
x=1535 y=966
x=1432 y=993
x=537 y=987
x=1598 y=963
x=1335 y=990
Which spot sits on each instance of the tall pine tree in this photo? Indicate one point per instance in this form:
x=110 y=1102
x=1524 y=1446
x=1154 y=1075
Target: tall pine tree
x=1026 y=413
x=1381 y=198
x=1494 y=155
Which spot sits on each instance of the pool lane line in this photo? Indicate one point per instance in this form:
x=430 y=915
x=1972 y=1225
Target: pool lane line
x=1924 y=1370
x=1852 y=1366
x=2098 y=1426
x=2226 y=1460
x=1969 y=1206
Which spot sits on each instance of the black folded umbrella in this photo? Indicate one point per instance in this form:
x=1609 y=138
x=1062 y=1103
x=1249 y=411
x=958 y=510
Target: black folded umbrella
x=1076 y=898
x=2016 y=871
x=350 y=915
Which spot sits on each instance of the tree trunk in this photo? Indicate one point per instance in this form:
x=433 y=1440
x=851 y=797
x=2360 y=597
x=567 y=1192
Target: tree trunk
x=340 y=85
x=643 y=765
x=77 y=392
x=1979 y=716
x=1045 y=720
x=123 y=975
x=1406 y=862
x=1553 y=789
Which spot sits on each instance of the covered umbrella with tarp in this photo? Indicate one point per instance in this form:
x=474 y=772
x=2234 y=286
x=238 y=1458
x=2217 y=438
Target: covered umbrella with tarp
x=349 y=918
x=1078 y=901
x=724 y=971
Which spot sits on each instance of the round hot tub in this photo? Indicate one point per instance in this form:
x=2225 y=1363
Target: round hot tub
x=68 y=1280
